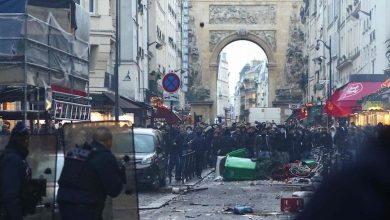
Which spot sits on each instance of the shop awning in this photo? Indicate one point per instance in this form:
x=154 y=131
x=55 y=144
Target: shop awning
x=386 y=84
x=295 y=114
x=298 y=114
x=164 y=114
x=19 y=115
x=344 y=100
x=355 y=91
x=126 y=105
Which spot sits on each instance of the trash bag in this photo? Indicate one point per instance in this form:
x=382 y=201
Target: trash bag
x=241 y=210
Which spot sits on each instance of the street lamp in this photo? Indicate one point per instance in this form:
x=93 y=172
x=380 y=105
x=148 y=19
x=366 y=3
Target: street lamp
x=355 y=14
x=318 y=60
x=329 y=48
x=116 y=67
x=158 y=45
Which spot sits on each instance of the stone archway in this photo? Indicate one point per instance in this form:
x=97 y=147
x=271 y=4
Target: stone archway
x=244 y=35
x=264 y=39
x=265 y=23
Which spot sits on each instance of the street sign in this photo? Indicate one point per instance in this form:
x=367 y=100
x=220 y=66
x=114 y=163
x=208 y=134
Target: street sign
x=294 y=106
x=171 y=82
x=171 y=97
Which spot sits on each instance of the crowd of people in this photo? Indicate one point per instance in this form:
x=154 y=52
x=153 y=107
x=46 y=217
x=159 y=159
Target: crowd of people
x=291 y=141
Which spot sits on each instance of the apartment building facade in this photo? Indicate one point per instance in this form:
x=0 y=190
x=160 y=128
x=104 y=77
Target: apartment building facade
x=132 y=41
x=356 y=34
x=252 y=88
x=165 y=45
x=223 y=86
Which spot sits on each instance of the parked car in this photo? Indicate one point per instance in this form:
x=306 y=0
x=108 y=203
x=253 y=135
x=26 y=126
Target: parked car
x=150 y=156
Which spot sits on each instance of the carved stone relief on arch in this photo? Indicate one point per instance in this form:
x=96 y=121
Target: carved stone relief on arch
x=267 y=36
x=242 y=14
x=216 y=37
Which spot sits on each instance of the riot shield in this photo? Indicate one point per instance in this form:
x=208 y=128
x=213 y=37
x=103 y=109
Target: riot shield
x=42 y=159
x=77 y=135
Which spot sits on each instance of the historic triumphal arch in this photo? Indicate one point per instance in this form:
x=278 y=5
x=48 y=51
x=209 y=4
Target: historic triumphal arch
x=215 y=24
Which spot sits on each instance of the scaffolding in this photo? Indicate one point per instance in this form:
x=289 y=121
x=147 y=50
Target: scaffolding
x=42 y=66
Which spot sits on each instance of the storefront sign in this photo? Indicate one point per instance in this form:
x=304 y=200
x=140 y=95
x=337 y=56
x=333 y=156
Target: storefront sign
x=373 y=105
x=171 y=97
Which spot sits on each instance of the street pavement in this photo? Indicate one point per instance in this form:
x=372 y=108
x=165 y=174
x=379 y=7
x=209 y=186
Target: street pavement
x=156 y=199
x=216 y=199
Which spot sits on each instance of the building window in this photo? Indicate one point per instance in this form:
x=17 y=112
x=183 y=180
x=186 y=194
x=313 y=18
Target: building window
x=92 y=6
x=93 y=58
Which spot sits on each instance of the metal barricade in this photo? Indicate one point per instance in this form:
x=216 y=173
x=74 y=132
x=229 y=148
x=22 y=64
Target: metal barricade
x=188 y=166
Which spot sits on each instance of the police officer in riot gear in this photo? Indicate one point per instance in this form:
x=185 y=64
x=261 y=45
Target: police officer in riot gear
x=90 y=173
x=15 y=173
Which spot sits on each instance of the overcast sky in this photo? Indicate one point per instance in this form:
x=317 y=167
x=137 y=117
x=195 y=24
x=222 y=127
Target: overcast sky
x=238 y=54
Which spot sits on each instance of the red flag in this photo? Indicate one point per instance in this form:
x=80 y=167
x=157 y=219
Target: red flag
x=302 y=113
x=331 y=107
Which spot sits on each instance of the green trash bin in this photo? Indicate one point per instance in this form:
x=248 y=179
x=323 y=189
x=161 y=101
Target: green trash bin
x=239 y=169
x=310 y=163
x=238 y=153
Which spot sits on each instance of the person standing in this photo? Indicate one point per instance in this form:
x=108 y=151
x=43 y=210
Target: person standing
x=209 y=134
x=242 y=138
x=307 y=144
x=85 y=184
x=188 y=138
x=250 y=146
x=294 y=141
x=262 y=147
x=15 y=173
x=215 y=145
x=198 y=145
x=4 y=130
x=178 y=147
x=226 y=143
x=340 y=138
x=326 y=139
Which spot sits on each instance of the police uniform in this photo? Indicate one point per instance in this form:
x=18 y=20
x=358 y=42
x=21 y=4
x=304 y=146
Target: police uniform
x=88 y=176
x=14 y=174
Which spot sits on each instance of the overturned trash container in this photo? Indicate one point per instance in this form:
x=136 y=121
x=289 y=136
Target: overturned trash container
x=242 y=153
x=239 y=169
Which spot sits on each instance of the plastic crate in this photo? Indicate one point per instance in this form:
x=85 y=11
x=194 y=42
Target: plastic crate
x=242 y=153
x=291 y=204
x=239 y=169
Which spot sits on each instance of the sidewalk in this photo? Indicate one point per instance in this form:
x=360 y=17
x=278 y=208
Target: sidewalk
x=192 y=182
x=148 y=200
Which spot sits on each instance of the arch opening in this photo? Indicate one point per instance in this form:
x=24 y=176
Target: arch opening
x=242 y=80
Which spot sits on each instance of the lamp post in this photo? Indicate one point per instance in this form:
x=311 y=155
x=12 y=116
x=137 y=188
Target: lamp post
x=116 y=67
x=329 y=48
x=158 y=45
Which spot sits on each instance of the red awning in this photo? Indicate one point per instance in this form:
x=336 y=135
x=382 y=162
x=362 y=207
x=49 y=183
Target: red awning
x=357 y=90
x=344 y=100
x=163 y=113
x=386 y=84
